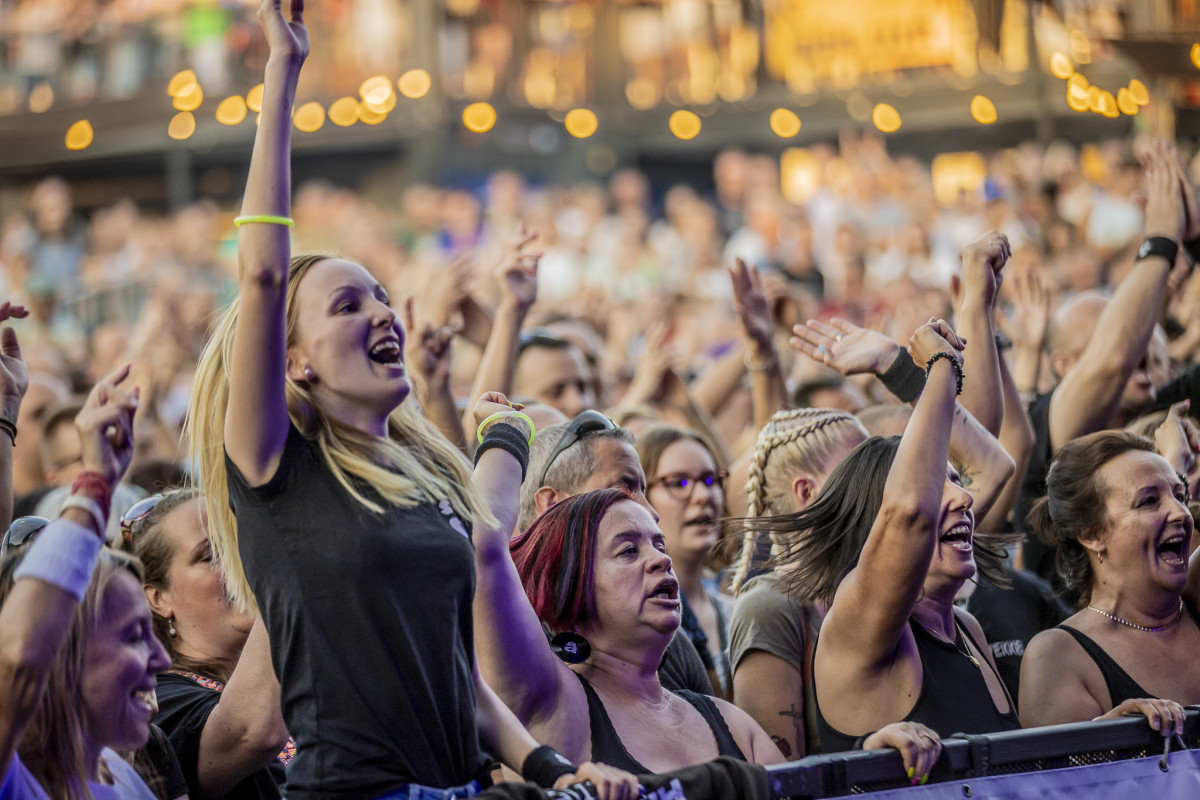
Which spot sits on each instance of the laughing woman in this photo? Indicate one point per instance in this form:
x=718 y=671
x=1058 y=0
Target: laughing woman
x=353 y=515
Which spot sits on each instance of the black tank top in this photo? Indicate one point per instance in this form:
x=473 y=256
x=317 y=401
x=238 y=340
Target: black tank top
x=1121 y=687
x=607 y=746
x=954 y=695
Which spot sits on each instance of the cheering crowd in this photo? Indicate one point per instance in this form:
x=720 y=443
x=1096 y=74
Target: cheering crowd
x=539 y=491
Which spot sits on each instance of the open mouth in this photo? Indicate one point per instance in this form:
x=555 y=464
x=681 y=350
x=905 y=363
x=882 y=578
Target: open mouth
x=702 y=521
x=145 y=699
x=958 y=537
x=1174 y=550
x=667 y=590
x=386 y=352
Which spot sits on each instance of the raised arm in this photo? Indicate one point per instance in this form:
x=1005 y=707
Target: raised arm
x=14 y=380
x=256 y=421
x=1090 y=392
x=769 y=390
x=870 y=609
x=427 y=354
x=51 y=579
x=517 y=276
x=982 y=261
x=1016 y=437
x=245 y=731
x=514 y=657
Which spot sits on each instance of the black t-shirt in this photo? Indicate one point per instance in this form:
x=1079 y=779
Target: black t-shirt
x=1039 y=558
x=370 y=624
x=183 y=709
x=1011 y=617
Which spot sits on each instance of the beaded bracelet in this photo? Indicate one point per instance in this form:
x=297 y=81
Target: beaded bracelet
x=267 y=218
x=958 y=373
x=483 y=426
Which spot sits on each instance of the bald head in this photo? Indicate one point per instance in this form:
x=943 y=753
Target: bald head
x=1071 y=329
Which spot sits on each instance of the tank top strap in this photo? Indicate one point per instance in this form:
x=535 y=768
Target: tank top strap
x=983 y=651
x=606 y=745
x=1121 y=687
x=726 y=744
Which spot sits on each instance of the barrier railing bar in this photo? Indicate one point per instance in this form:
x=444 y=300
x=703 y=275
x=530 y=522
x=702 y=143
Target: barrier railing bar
x=834 y=774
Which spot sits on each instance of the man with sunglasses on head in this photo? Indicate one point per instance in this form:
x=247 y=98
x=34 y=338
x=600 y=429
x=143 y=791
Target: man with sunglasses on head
x=591 y=452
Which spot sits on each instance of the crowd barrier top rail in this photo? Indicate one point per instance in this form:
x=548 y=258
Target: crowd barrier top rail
x=963 y=757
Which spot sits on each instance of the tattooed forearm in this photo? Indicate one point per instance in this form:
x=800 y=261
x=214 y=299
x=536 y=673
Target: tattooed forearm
x=797 y=717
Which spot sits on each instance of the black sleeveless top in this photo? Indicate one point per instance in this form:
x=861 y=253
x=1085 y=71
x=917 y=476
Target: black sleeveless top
x=1121 y=687
x=954 y=695
x=607 y=746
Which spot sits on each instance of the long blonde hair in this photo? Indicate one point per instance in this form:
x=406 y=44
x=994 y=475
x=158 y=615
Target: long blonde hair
x=53 y=745
x=796 y=441
x=413 y=465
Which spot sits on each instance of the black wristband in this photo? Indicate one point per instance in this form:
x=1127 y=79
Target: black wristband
x=904 y=378
x=545 y=765
x=862 y=740
x=958 y=373
x=507 y=438
x=1158 y=246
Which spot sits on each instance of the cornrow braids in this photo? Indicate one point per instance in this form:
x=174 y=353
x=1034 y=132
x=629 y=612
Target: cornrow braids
x=806 y=428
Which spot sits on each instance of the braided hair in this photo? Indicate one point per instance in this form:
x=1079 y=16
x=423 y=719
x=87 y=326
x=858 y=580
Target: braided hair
x=796 y=441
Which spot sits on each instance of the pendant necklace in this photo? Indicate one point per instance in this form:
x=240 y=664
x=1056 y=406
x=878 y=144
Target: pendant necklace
x=970 y=657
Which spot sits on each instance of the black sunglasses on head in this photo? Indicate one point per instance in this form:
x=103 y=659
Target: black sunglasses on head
x=20 y=533
x=588 y=421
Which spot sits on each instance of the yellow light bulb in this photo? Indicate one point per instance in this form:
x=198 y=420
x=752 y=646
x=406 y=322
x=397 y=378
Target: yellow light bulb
x=784 y=123
x=79 y=135
x=581 y=122
x=983 y=110
x=479 y=117
x=414 y=83
x=886 y=118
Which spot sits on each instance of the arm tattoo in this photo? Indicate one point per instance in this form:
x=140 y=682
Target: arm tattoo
x=797 y=725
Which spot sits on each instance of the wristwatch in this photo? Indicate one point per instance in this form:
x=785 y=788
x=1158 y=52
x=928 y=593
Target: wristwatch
x=1158 y=246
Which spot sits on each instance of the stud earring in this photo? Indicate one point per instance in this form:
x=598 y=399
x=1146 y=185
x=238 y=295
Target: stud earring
x=171 y=628
x=308 y=374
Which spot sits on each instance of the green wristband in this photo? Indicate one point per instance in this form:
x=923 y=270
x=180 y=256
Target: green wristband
x=483 y=426
x=267 y=218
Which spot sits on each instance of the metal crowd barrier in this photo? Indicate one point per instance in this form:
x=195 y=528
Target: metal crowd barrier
x=970 y=757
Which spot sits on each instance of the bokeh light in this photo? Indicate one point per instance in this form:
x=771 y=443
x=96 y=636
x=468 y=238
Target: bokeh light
x=684 y=124
x=642 y=93
x=414 y=83
x=1138 y=92
x=232 y=110
x=784 y=123
x=368 y=115
x=309 y=117
x=983 y=110
x=181 y=83
x=254 y=98
x=79 y=135
x=581 y=122
x=190 y=100
x=1077 y=99
x=182 y=125
x=479 y=117
x=1196 y=55
x=1126 y=103
x=1061 y=66
x=886 y=118
x=375 y=90
x=41 y=98
x=344 y=111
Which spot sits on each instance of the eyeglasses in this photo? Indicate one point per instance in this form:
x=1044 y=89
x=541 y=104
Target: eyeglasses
x=680 y=485
x=588 y=421
x=136 y=513
x=20 y=533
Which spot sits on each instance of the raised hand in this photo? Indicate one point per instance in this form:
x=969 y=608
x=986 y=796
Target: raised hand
x=656 y=360
x=105 y=426
x=846 y=347
x=517 y=273
x=982 y=262
x=935 y=336
x=286 y=38
x=427 y=347
x=751 y=303
x=1177 y=438
x=14 y=377
x=1189 y=194
x=1031 y=310
x=1164 y=200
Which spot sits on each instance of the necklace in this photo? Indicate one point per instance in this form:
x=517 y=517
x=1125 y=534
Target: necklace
x=953 y=644
x=1115 y=618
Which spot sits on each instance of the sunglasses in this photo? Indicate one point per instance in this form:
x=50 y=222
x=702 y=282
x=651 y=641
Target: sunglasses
x=680 y=485
x=20 y=533
x=137 y=512
x=587 y=422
